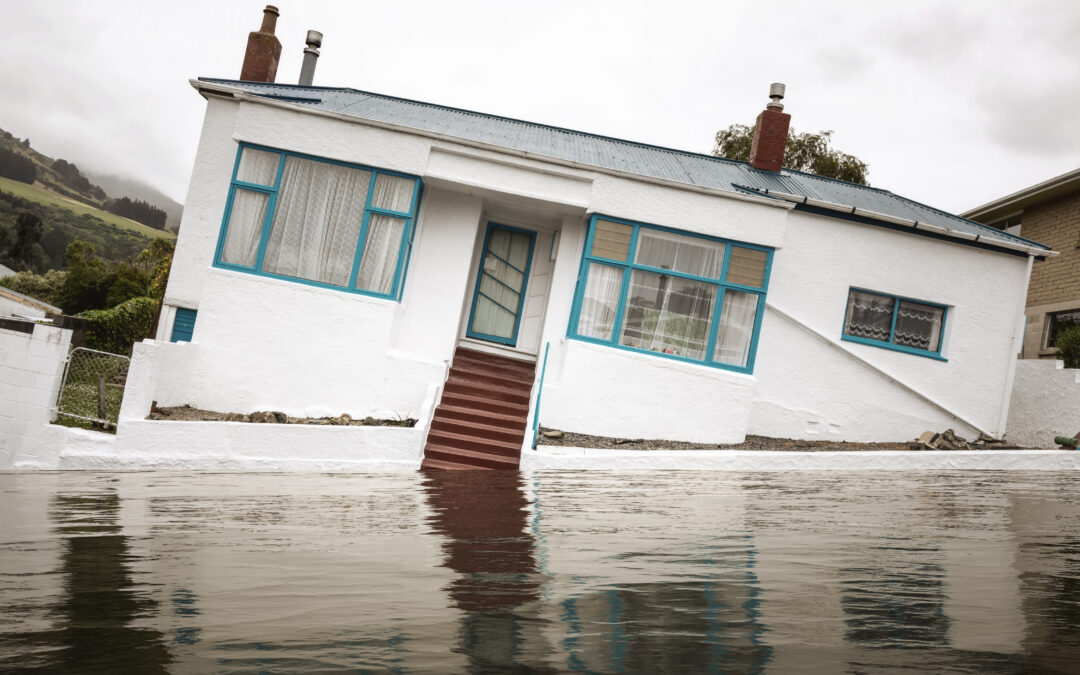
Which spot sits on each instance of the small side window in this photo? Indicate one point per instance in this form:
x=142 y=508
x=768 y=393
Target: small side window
x=897 y=323
x=1057 y=322
x=183 y=325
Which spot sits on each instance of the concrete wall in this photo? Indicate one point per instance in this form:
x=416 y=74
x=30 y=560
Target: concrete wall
x=17 y=304
x=1045 y=403
x=1055 y=283
x=31 y=368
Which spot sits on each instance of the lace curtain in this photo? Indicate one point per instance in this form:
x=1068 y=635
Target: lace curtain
x=601 y=300
x=668 y=314
x=918 y=326
x=317 y=221
x=736 y=328
x=245 y=228
x=869 y=316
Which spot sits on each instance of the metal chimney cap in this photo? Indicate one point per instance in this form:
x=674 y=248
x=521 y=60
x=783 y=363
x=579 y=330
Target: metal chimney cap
x=776 y=93
x=314 y=39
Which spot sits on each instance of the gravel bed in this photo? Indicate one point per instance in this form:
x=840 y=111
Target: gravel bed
x=184 y=413
x=574 y=440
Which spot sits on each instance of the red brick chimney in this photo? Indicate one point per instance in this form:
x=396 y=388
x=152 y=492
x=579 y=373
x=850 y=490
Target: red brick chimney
x=263 y=50
x=770 y=133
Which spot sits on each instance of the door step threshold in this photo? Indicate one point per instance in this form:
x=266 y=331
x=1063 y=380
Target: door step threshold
x=495 y=350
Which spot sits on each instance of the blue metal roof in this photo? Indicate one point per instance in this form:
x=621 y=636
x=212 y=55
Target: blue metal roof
x=613 y=153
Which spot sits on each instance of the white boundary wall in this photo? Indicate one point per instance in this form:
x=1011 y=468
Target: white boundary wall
x=1045 y=403
x=765 y=460
x=31 y=368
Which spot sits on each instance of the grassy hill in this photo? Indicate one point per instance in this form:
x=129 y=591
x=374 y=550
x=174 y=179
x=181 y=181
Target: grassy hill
x=44 y=196
x=70 y=208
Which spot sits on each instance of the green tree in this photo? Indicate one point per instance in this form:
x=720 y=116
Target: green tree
x=125 y=282
x=44 y=287
x=28 y=231
x=86 y=285
x=156 y=261
x=1068 y=346
x=807 y=152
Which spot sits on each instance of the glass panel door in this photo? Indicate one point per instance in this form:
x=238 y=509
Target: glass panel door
x=500 y=284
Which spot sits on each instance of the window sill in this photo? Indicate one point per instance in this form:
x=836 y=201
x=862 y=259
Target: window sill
x=672 y=357
x=895 y=348
x=276 y=278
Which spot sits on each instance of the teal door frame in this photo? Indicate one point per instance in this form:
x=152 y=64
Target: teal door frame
x=511 y=341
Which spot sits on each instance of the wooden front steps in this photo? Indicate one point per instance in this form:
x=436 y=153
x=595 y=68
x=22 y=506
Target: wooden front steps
x=480 y=421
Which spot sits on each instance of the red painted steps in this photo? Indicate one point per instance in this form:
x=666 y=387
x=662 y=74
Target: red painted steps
x=480 y=422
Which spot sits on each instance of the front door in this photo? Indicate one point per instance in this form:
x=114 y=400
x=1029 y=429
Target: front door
x=500 y=284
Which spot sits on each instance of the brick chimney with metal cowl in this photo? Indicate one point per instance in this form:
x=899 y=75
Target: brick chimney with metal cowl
x=263 y=50
x=770 y=133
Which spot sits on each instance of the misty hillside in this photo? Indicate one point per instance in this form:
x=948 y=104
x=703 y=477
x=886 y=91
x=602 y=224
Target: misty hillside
x=19 y=161
x=130 y=187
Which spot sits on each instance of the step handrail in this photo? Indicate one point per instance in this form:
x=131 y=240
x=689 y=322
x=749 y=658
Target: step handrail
x=539 y=392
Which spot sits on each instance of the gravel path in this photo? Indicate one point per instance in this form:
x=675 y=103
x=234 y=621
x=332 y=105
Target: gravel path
x=751 y=443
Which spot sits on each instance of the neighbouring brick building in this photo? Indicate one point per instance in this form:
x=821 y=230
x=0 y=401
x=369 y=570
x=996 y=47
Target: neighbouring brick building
x=1049 y=213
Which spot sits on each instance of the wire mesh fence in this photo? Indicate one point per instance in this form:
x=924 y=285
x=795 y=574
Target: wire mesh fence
x=93 y=387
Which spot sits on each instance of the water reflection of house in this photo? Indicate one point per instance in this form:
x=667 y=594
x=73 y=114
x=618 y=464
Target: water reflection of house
x=341 y=249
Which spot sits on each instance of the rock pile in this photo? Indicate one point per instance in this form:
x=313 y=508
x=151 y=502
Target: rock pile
x=188 y=414
x=948 y=440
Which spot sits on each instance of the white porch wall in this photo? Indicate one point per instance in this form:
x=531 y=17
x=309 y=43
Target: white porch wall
x=808 y=388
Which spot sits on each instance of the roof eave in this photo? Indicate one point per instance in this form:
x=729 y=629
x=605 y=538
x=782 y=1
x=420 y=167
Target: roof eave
x=1018 y=201
x=959 y=237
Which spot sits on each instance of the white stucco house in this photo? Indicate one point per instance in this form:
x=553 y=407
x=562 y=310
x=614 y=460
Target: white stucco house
x=345 y=251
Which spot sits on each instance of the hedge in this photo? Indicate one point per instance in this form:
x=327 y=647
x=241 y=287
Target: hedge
x=115 y=330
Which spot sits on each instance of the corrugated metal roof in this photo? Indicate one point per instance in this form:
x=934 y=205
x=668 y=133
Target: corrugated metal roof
x=614 y=154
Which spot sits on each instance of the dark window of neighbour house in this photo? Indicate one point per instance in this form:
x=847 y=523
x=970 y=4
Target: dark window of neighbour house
x=1059 y=321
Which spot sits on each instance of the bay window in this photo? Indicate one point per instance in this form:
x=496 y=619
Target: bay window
x=674 y=294
x=317 y=221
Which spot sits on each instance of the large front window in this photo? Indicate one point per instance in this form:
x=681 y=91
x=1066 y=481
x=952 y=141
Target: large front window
x=319 y=222
x=679 y=295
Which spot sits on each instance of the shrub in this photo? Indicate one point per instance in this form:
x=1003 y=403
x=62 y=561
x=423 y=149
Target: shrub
x=115 y=330
x=1068 y=346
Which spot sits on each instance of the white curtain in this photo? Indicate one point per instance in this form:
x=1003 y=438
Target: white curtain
x=317 y=221
x=690 y=255
x=668 y=314
x=379 y=263
x=869 y=316
x=258 y=166
x=601 y=301
x=244 y=228
x=393 y=193
x=918 y=326
x=736 y=328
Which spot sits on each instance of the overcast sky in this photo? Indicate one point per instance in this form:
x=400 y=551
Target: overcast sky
x=950 y=103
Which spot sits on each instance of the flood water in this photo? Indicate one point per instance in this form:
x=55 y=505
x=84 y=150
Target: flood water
x=541 y=572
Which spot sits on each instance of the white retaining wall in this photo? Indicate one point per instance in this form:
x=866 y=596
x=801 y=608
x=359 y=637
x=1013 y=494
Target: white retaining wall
x=31 y=370
x=1045 y=403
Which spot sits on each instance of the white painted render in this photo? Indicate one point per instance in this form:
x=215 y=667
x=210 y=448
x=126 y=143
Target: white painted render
x=31 y=369
x=17 y=304
x=1045 y=403
x=263 y=343
x=565 y=458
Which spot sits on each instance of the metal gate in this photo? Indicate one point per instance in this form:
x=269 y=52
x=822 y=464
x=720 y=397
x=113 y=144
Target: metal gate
x=93 y=386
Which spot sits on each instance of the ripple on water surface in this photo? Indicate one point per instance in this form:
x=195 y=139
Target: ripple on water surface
x=547 y=572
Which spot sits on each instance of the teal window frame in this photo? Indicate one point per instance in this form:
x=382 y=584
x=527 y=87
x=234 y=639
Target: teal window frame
x=183 y=324
x=629 y=266
x=407 y=234
x=926 y=353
